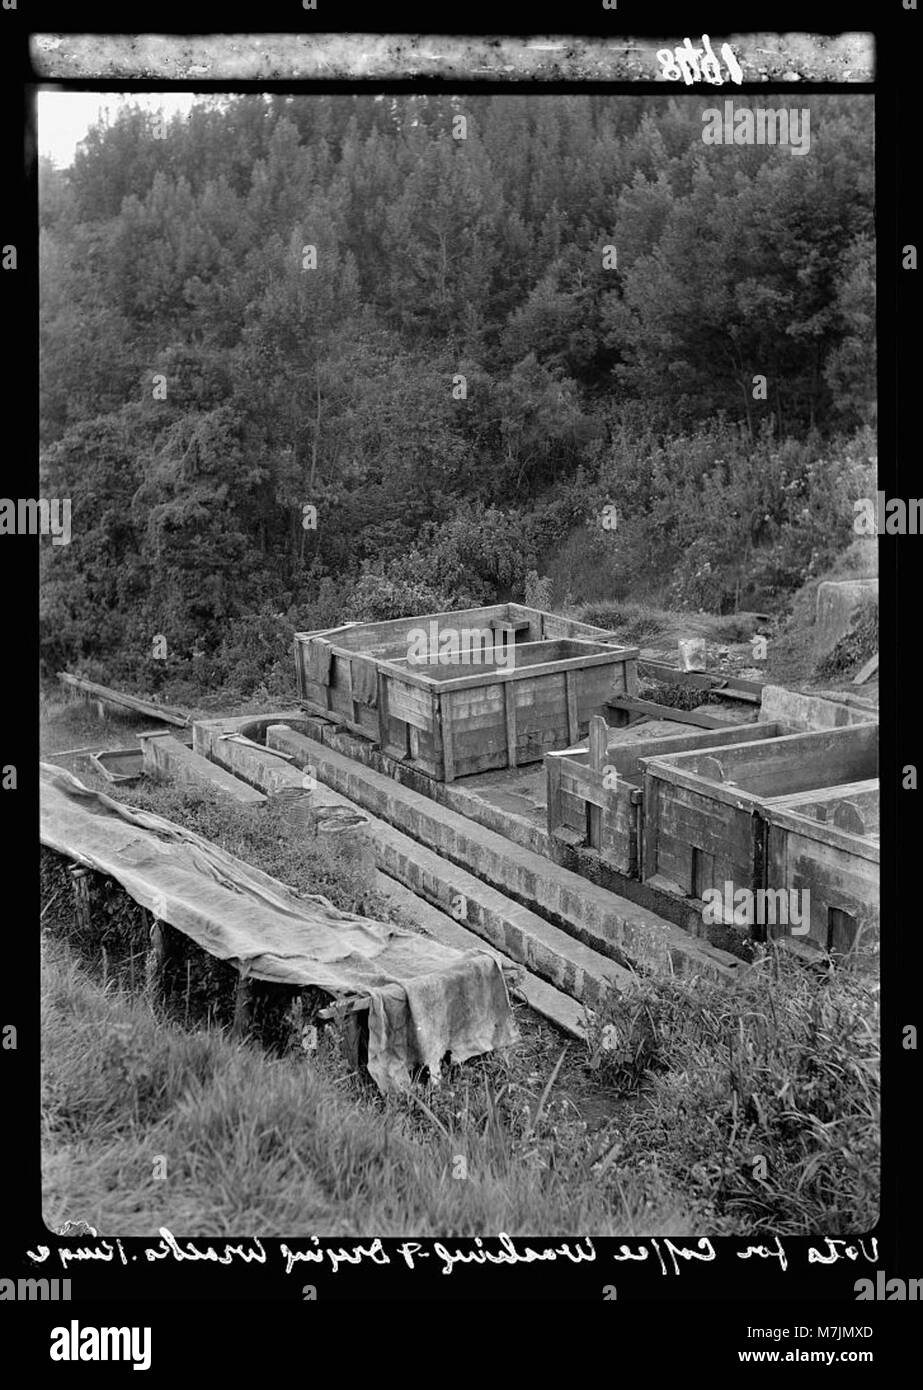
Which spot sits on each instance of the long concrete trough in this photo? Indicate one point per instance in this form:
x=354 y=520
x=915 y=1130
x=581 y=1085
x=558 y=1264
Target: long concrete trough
x=547 y=952
x=613 y=926
x=166 y=759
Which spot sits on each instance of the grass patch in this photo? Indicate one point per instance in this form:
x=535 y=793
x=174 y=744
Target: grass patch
x=69 y=722
x=703 y=1111
x=792 y=655
x=764 y=1101
x=635 y=623
x=289 y=1146
x=644 y=624
x=727 y=1114
x=260 y=835
x=674 y=696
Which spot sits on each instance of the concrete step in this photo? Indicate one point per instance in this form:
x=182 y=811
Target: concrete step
x=519 y=828
x=608 y=924
x=165 y=757
x=542 y=998
x=513 y=930
x=467 y=799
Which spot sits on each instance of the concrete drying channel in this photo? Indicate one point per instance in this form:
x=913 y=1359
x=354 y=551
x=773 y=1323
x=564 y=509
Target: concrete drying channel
x=575 y=970
x=581 y=940
x=166 y=759
x=514 y=804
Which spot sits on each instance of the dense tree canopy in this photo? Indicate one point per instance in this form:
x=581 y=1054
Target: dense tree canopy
x=453 y=349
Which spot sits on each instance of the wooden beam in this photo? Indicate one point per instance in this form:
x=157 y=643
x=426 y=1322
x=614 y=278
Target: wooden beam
x=243 y=1005
x=679 y=716
x=599 y=738
x=602 y=656
x=732 y=693
x=155 y=961
x=92 y=690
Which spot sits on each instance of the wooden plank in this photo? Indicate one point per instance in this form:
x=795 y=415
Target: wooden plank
x=741 y=695
x=630 y=673
x=598 y=742
x=408 y=704
x=322 y=631
x=681 y=716
x=629 y=655
x=485 y=702
x=367 y=637
x=392 y=630
x=553 y=624
x=598 y=739
x=92 y=689
x=518 y=673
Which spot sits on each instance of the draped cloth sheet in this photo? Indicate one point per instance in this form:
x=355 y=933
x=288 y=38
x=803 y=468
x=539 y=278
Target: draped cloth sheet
x=318 y=656
x=364 y=679
x=426 y=1001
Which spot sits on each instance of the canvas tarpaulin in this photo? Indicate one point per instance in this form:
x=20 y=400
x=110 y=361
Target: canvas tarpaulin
x=426 y=1000
x=363 y=675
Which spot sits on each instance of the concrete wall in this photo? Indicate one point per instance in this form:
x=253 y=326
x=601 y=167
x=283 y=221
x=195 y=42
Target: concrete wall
x=839 y=870
x=722 y=819
x=802 y=711
x=837 y=601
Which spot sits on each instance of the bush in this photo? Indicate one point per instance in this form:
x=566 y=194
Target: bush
x=765 y=1098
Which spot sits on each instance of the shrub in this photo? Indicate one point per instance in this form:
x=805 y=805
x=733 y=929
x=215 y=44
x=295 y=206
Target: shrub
x=765 y=1097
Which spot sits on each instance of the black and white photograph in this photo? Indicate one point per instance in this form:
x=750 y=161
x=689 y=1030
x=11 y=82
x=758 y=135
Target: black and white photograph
x=458 y=521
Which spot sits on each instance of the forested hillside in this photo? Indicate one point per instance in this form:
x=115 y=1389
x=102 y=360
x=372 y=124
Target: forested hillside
x=331 y=302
